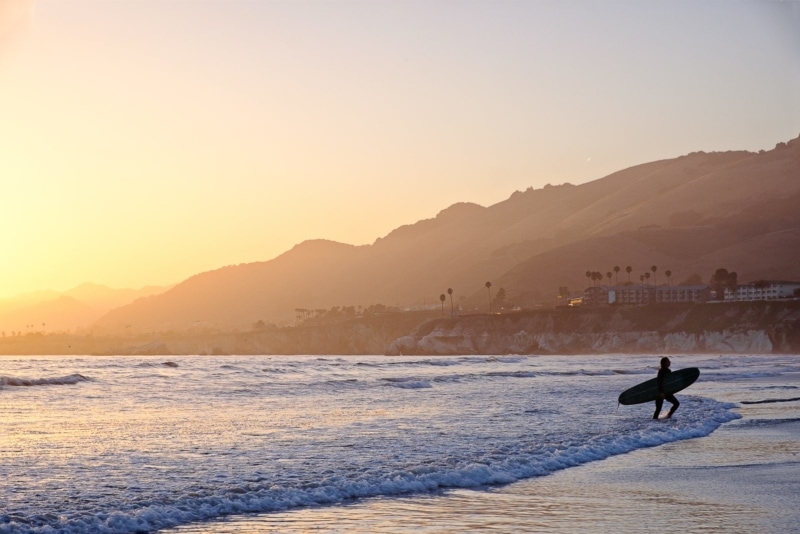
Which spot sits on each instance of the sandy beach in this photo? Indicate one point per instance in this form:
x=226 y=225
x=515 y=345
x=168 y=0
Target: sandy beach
x=745 y=477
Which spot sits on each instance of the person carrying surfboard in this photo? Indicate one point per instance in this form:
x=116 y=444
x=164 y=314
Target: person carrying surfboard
x=663 y=371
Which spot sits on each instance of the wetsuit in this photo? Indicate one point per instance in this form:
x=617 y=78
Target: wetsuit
x=662 y=375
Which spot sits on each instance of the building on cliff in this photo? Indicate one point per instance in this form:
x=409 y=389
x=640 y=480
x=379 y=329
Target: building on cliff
x=762 y=290
x=639 y=294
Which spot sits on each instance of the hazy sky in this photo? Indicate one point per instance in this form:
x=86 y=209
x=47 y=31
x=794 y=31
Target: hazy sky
x=145 y=141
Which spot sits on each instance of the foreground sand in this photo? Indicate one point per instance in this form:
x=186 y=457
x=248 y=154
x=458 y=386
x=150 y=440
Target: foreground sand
x=745 y=477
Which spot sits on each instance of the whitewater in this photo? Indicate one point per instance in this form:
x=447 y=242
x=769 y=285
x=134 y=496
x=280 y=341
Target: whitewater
x=140 y=444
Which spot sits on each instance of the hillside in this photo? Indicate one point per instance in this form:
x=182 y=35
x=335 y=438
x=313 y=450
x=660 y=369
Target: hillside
x=53 y=311
x=691 y=215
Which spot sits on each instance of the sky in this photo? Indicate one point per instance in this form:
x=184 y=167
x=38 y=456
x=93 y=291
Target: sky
x=145 y=141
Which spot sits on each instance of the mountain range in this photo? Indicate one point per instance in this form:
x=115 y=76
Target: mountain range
x=689 y=215
x=79 y=307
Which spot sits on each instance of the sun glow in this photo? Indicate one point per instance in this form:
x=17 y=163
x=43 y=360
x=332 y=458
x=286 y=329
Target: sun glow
x=143 y=142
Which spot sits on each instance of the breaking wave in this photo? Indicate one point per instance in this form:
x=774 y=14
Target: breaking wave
x=69 y=380
x=481 y=467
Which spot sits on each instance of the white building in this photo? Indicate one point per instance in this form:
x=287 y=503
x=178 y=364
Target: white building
x=762 y=290
x=645 y=294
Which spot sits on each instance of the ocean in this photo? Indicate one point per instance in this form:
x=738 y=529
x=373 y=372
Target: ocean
x=198 y=443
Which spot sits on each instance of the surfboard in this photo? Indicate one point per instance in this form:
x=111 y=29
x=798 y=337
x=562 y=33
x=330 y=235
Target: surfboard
x=648 y=391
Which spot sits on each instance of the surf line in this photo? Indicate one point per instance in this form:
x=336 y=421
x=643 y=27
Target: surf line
x=766 y=401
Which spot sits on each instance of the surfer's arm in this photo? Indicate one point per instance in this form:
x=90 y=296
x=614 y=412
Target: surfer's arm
x=660 y=382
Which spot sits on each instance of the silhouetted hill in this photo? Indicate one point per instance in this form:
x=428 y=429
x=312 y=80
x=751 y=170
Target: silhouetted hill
x=691 y=215
x=238 y=295
x=61 y=313
x=76 y=308
x=106 y=298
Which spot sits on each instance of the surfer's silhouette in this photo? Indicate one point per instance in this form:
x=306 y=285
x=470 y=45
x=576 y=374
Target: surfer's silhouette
x=662 y=375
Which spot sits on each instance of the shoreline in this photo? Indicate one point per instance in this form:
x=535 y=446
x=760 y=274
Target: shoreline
x=743 y=477
x=659 y=489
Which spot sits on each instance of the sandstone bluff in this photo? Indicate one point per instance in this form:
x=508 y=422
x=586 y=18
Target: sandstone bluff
x=724 y=328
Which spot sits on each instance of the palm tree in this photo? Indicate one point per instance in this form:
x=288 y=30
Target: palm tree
x=669 y=277
x=489 y=288
x=655 y=279
x=608 y=275
x=450 y=292
x=589 y=275
x=442 y=298
x=628 y=269
x=641 y=278
x=616 y=274
x=647 y=276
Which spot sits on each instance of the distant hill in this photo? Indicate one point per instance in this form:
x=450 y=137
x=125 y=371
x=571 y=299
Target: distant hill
x=105 y=298
x=691 y=215
x=52 y=311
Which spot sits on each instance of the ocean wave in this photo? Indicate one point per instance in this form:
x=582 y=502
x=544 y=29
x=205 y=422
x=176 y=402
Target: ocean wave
x=484 y=468
x=631 y=371
x=407 y=383
x=512 y=374
x=156 y=364
x=69 y=380
x=770 y=401
x=728 y=377
x=341 y=382
x=441 y=361
x=763 y=423
x=279 y=370
x=417 y=382
x=599 y=372
x=507 y=359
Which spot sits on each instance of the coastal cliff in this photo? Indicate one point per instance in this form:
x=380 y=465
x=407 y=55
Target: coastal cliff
x=729 y=328
x=707 y=328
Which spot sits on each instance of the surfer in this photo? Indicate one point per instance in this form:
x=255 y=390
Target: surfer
x=663 y=371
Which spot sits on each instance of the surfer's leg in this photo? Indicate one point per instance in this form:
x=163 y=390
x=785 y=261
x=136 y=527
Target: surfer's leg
x=659 y=404
x=675 y=405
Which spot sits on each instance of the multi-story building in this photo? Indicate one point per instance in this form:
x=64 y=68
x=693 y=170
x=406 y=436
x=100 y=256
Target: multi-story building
x=638 y=294
x=762 y=290
x=692 y=293
x=647 y=294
